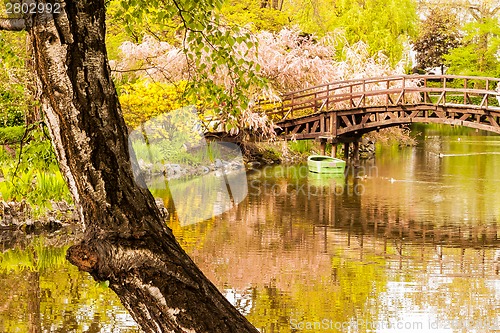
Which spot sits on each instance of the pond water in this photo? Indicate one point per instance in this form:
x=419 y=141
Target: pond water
x=406 y=243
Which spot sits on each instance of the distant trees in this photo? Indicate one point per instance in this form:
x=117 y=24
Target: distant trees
x=384 y=25
x=255 y=14
x=438 y=34
x=285 y=59
x=479 y=52
x=462 y=34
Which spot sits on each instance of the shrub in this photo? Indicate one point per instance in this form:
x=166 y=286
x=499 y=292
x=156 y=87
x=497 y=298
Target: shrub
x=143 y=100
x=10 y=135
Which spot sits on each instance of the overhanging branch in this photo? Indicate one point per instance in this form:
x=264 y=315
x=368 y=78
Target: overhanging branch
x=12 y=24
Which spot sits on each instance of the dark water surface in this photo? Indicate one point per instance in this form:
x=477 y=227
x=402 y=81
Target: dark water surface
x=407 y=243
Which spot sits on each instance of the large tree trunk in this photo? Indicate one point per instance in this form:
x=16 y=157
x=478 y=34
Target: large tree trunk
x=126 y=242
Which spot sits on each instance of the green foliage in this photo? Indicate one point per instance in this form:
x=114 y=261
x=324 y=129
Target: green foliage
x=37 y=153
x=33 y=175
x=174 y=150
x=251 y=14
x=38 y=258
x=173 y=137
x=10 y=135
x=209 y=47
x=478 y=54
x=385 y=25
x=14 y=102
x=115 y=33
x=35 y=186
x=475 y=100
x=122 y=25
x=12 y=49
x=11 y=106
x=301 y=147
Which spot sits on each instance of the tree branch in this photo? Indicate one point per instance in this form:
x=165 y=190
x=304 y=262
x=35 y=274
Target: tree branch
x=475 y=12
x=12 y=24
x=494 y=11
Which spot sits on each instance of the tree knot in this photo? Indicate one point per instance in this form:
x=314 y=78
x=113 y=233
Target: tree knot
x=83 y=257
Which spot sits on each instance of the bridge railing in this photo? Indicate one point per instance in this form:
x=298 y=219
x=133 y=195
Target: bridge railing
x=476 y=92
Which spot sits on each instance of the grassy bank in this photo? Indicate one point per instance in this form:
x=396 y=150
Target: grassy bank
x=29 y=171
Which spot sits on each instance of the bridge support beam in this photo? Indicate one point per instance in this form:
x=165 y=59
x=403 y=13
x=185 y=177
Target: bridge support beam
x=355 y=153
x=323 y=147
x=346 y=150
x=334 y=149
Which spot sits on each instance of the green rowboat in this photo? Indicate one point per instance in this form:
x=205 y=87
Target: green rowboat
x=325 y=164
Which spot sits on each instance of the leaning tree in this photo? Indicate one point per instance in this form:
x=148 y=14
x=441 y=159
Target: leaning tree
x=126 y=241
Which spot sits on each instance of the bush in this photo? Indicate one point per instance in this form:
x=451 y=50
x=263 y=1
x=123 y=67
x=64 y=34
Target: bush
x=142 y=101
x=11 y=135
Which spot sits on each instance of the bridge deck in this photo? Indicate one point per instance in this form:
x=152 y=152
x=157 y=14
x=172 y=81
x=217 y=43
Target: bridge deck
x=341 y=110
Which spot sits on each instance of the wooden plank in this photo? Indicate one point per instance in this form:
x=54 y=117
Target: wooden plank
x=493 y=121
x=361 y=100
x=296 y=129
x=481 y=126
x=302 y=136
x=315 y=126
x=484 y=102
x=346 y=120
x=414 y=114
x=465 y=116
x=400 y=97
x=299 y=121
x=333 y=124
x=393 y=115
x=443 y=95
x=365 y=118
x=389 y=99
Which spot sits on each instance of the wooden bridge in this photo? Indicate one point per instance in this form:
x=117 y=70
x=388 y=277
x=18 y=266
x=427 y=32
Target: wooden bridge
x=341 y=112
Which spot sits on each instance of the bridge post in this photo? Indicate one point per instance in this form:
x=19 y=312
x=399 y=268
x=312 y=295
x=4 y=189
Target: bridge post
x=346 y=151
x=355 y=153
x=323 y=147
x=334 y=149
x=333 y=124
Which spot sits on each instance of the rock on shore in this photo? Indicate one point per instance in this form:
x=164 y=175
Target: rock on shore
x=19 y=216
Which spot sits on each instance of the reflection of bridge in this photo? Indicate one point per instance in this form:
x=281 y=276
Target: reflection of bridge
x=336 y=206
x=343 y=111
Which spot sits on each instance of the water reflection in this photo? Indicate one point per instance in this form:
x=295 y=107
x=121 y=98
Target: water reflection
x=407 y=243
x=41 y=292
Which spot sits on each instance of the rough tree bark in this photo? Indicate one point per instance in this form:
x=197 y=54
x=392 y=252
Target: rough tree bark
x=126 y=242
